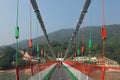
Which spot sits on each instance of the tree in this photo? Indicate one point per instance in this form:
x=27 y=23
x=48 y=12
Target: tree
x=5 y=62
x=8 y=57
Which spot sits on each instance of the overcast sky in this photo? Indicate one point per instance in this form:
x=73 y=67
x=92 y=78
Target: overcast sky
x=56 y=14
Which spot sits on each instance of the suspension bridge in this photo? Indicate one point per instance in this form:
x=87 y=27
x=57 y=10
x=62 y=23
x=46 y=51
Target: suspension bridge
x=74 y=67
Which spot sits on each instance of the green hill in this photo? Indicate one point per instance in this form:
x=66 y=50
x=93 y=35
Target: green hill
x=60 y=37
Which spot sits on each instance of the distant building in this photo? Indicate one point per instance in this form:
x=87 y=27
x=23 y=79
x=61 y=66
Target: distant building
x=84 y=58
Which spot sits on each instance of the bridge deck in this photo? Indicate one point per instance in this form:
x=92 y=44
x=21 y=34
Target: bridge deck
x=60 y=74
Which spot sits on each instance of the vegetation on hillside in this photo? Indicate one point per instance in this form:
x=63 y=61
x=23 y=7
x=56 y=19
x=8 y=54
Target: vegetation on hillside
x=7 y=59
x=60 y=40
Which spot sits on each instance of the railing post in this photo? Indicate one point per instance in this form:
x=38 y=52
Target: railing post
x=103 y=73
x=17 y=73
x=88 y=71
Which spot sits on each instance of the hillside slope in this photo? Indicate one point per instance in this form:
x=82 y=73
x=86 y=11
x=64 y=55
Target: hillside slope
x=112 y=46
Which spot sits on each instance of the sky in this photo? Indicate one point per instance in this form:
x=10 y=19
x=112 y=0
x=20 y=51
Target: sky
x=56 y=14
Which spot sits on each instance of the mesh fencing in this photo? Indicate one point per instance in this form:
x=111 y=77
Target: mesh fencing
x=24 y=72
x=96 y=72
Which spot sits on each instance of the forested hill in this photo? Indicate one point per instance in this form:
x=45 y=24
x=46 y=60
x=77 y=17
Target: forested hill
x=112 y=43
x=113 y=32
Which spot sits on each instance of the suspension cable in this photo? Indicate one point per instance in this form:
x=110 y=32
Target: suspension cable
x=35 y=7
x=30 y=41
x=83 y=41
x=83 y=13
x=17 y=36
x=37 y=46
x=78 y=46
x=103 y=41
x=90 y=36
